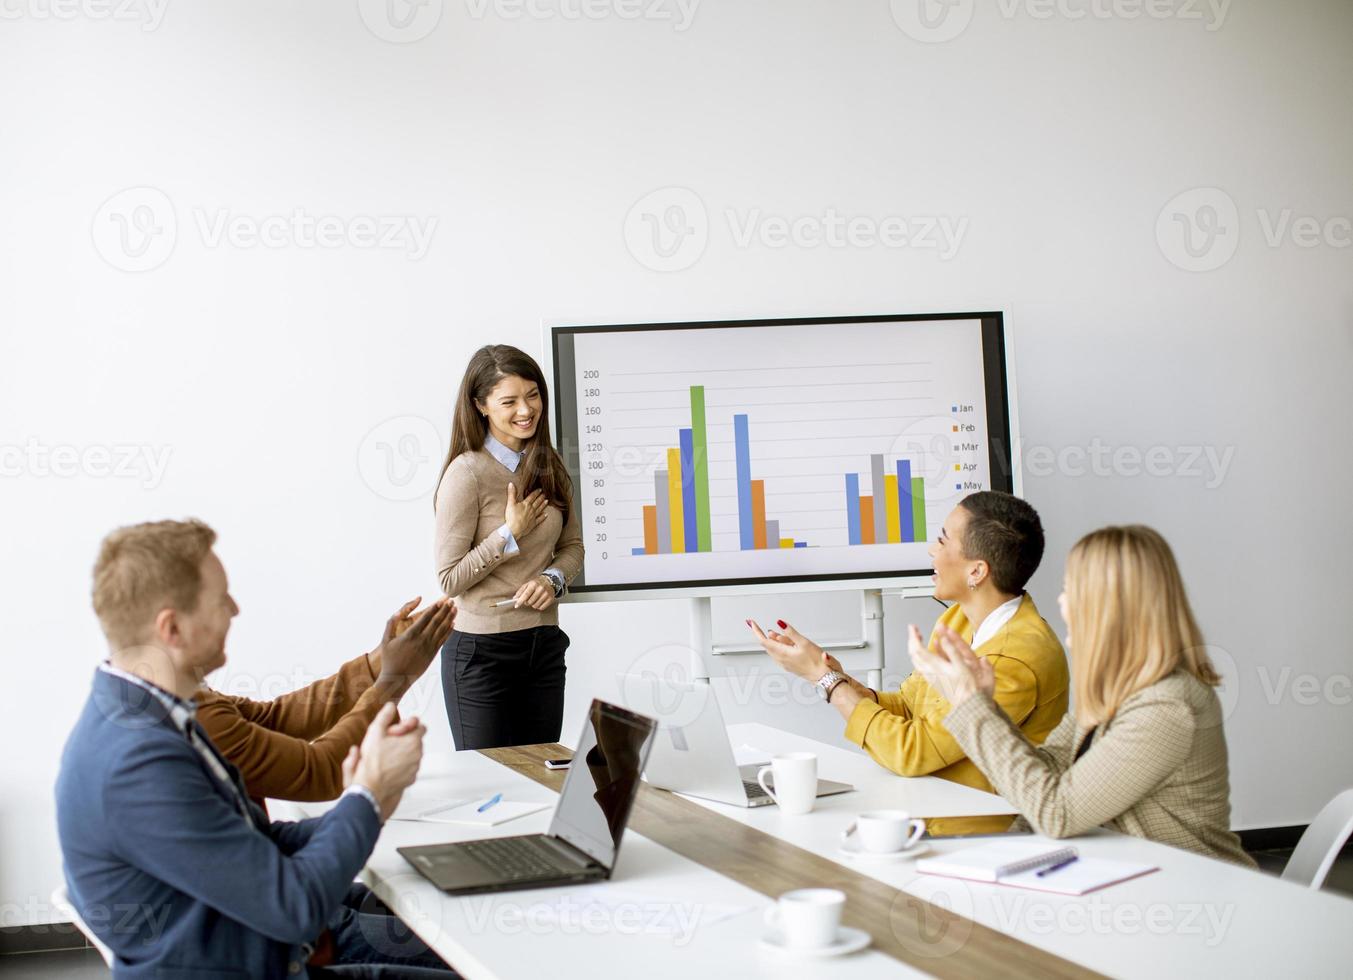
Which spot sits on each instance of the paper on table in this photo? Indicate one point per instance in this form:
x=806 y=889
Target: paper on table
x=1084 y=876
x=1017 y=864
x=465 y=811
x=605 y=907
x=750 y=755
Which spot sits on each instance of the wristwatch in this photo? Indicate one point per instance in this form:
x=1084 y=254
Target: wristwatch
x=556 y=580
x=828 y=681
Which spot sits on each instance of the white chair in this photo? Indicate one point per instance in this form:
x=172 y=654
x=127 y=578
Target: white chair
x=61 y=902
x=1314 y=854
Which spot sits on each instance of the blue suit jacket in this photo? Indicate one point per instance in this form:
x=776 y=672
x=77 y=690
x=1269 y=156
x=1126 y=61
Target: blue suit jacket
x=164 y=868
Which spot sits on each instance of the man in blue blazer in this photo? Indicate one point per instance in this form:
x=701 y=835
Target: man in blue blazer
x=166 y=859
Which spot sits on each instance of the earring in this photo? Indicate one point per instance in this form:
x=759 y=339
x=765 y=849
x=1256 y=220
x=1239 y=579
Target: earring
x=973 y=586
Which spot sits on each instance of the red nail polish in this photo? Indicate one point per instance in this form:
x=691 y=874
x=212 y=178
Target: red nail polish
x=781 y=623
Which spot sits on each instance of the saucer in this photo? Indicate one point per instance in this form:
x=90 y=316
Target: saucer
x=848 y=940
x=851 y=848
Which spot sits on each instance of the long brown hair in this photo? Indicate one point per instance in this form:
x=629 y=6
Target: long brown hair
x=541 y=467
x=1130 y=620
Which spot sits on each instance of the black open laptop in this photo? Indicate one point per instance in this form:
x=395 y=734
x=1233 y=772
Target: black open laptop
x=584 y=836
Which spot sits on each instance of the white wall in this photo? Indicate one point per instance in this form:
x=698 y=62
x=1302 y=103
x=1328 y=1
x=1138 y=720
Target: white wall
x=262 y=371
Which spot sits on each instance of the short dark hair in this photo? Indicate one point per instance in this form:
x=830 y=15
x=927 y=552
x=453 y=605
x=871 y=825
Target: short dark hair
x=1004 y=532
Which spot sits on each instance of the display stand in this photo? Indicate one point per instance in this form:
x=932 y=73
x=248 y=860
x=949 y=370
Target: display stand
x=871 y=630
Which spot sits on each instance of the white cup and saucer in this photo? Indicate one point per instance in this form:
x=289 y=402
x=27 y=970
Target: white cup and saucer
x=807 y=922
x=884 y=835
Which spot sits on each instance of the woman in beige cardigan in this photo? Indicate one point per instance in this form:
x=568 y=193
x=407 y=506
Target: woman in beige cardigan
x=1142 y=751
x=508 y=542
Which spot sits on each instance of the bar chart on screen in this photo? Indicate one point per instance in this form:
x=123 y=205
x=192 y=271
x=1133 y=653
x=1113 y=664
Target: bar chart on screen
x=804 y=450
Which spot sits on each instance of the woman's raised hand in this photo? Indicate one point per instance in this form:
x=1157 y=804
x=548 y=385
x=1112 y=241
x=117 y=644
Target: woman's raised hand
x=952 y=669
x=792 y=650
x=524 y=516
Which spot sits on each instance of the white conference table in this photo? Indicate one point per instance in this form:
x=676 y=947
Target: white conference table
x=519 y=935
x=1195 y=916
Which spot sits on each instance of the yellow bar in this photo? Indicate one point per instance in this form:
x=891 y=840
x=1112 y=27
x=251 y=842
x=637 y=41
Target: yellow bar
x=786 y=542
x=674 y=501
x=894 y=514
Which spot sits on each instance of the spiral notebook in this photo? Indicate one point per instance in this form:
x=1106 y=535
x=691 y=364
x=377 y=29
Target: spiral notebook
x=1017 y=863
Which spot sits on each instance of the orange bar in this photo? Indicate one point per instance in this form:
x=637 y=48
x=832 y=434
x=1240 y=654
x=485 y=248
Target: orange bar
x=758 y=513
x=651 y=530
x=866 y=520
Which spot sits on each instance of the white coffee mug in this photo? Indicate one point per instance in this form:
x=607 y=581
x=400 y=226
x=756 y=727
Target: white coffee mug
x=807 y=917
x=795 y=786
x=885 y=831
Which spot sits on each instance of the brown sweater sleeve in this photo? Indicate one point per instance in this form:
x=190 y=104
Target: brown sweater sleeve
x=568 y=551
x=270 y=742
x=461 y=561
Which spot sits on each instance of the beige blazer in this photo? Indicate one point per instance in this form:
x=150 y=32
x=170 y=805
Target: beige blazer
x=1157 y=769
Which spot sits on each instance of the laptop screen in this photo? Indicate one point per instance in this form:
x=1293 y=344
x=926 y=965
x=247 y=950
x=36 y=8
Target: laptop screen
x=601 y=784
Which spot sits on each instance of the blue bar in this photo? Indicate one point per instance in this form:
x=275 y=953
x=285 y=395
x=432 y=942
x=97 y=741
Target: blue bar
x=800 y=544
x=636 y=551
x=853 y=508
x=743 y=448
x=688 y=489
x=904 y=499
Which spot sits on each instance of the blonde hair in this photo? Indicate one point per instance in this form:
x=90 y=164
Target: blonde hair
x=1130 y=620
x=144 y=568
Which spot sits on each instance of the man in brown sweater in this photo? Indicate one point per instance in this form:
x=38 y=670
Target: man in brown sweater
x=292 y=748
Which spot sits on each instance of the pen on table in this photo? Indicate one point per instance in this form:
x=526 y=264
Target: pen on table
x=505 y=602
x=1060 y=864
x=495 y=799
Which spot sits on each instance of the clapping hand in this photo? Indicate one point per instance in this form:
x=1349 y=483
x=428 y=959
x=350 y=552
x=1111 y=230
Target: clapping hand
x=793 y=651
x=409 y=649
x=951 y=668
x=401 y=620
x=394 y=626
x=388 y=760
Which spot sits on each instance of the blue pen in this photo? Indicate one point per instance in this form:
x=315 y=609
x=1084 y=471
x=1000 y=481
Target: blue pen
x=1059 y=864
x=496 y=798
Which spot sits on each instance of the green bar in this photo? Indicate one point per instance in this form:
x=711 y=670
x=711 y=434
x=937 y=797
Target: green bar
x=700 y=450
x=919 y=531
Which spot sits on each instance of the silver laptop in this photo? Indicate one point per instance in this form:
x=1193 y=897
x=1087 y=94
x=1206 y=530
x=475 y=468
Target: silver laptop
x=691 y=752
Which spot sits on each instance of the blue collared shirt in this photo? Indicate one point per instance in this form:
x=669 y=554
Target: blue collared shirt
x=508 y=457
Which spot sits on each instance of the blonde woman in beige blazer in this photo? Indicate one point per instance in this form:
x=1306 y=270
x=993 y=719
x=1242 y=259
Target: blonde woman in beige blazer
x=1142 y=751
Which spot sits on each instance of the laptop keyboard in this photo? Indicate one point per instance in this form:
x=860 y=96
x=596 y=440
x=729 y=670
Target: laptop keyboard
x=514 y=860
x=754 y=790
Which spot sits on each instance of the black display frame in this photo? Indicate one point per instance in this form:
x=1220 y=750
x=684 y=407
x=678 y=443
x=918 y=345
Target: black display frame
x=999 y=442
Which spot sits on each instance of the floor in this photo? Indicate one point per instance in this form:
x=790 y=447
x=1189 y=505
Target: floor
x=85 y=964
